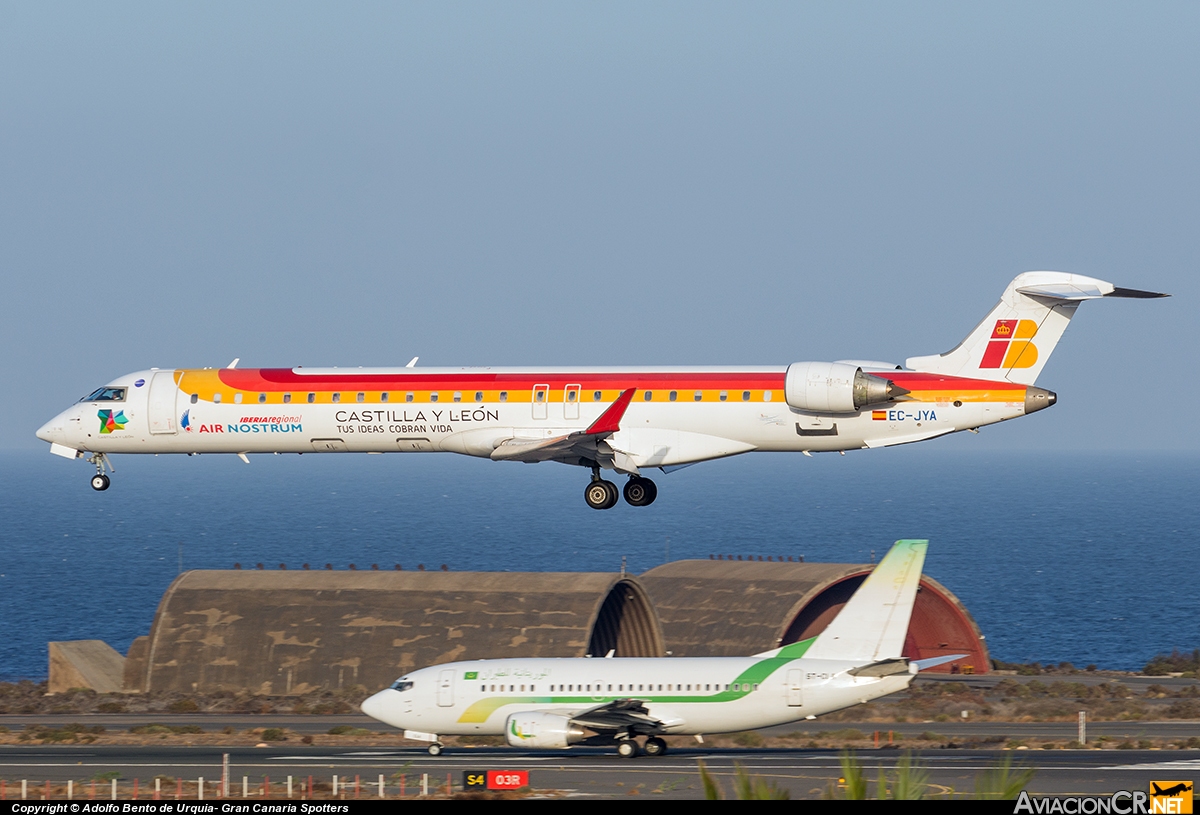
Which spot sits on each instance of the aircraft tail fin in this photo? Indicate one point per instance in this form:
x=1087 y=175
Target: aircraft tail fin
x=872 y=626
x=1015 y=339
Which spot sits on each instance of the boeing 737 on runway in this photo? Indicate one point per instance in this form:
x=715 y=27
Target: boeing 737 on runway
x=624 y=420
x=556 y=703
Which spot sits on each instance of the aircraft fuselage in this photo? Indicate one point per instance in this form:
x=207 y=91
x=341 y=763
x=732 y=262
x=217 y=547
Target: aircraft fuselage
x=677 y=416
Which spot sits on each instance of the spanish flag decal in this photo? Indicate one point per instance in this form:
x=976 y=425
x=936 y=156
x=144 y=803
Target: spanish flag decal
x=878 y=415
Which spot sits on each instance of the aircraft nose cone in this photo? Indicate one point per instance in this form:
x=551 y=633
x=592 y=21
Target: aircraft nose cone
x=375 y=706
x=50 y=431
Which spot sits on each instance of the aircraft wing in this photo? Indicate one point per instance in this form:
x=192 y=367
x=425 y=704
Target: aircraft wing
x=572 y=448
x=626 y=450
x=622 y=716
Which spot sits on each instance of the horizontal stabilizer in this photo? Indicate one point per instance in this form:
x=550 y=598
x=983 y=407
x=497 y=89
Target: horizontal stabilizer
x=893 y=667
x=1135 y=294
x=933 y=662
x=888 y=667
x=872 y=626
x=1016 y=338
x=1086 y=288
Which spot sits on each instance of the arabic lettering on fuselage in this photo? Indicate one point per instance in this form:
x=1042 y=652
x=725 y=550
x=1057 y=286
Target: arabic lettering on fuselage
x=489 y=674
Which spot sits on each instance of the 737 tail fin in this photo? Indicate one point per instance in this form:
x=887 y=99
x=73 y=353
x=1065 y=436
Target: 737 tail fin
x=873 y=625
x=1014 y=341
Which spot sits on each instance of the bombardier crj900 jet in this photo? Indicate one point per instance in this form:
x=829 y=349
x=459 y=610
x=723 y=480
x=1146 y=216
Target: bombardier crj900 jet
x=621 y=420
x=557 y=703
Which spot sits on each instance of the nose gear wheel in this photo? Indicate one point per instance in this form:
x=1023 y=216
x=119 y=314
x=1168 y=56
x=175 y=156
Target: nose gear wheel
x=100 y=481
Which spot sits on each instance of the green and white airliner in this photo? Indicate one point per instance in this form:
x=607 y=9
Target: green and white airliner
x=557 y=703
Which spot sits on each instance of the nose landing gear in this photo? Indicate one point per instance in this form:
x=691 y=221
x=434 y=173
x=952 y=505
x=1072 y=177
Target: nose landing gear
x=100 y=481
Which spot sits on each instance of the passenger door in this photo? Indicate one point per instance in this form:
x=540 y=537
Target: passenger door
x=795 y=688
x=541 y=395
x=445 y=691
x=571 y=402
x=161 y=409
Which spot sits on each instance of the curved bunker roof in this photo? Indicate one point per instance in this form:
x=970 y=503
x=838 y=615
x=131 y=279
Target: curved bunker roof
x=727 y=608
x=283 y=632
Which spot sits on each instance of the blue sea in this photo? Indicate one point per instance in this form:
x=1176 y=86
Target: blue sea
x=1083 y=557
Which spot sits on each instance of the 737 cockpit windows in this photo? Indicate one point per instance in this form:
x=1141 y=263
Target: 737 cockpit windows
x=402 y=685
x=105 y=395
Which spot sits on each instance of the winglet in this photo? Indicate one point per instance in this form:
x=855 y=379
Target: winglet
x=610 y=420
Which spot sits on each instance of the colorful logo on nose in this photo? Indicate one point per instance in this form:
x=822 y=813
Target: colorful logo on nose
x=111 y=420
x=1010 y=345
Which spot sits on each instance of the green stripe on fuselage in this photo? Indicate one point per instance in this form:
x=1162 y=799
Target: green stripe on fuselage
x=756 y=674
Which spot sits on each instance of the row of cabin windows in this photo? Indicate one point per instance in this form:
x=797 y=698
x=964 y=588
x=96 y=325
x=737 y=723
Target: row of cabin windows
x=539 y=396
x=736 y=686
x=697 y=396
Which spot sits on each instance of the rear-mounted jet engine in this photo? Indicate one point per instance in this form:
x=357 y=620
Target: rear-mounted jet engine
x=836 y=387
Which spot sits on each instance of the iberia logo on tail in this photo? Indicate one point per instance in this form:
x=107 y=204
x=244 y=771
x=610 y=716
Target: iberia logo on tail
x=1010 y=345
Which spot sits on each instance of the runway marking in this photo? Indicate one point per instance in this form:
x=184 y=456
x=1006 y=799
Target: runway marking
x=1189 y=764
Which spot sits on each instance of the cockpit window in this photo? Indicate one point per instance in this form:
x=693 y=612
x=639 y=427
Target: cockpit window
x=402 y=685
x=105 y=395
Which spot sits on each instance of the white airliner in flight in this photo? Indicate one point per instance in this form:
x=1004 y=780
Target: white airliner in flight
x=624 y=420
x=555 y=703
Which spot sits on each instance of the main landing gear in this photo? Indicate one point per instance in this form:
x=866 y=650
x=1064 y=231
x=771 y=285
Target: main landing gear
x=601 y=494
x=640 y=492
x=100 y=481
x=654 y=747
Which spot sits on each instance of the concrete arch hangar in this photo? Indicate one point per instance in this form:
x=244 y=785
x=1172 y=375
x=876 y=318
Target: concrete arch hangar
x=730 y=608
x=290 y=632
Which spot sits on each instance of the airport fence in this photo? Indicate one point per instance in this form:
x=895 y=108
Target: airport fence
x=104 y=787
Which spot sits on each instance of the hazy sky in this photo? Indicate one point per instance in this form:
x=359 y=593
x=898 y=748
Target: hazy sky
x=602 y=183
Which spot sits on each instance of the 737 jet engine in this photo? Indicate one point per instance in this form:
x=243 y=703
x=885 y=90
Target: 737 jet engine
x=536 y=729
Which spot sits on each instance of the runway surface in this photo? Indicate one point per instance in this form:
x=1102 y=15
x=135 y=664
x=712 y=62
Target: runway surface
x=586 y=772
x=317 y=725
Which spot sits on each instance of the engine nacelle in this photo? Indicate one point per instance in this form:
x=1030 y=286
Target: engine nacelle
x=836 y=387
x=536 y=729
